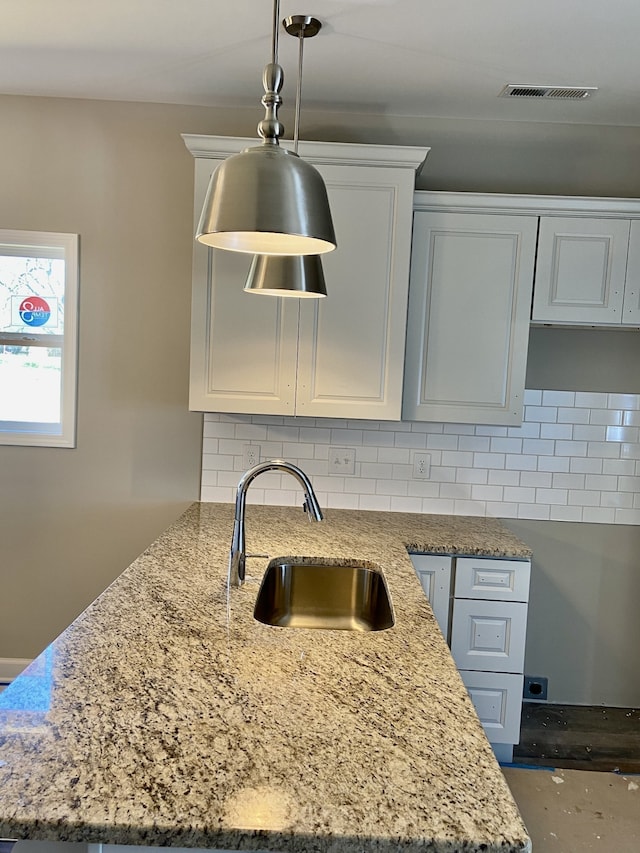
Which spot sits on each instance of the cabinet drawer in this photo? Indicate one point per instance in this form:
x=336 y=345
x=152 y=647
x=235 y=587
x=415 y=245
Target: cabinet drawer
x=489 y=635
x=501 y=580
x=497 y=697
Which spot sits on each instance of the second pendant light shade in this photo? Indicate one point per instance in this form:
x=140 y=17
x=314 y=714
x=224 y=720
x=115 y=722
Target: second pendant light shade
x=297 y=276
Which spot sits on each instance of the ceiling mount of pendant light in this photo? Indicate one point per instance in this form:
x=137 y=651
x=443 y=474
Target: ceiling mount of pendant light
x=297 y=276
x=267 y=200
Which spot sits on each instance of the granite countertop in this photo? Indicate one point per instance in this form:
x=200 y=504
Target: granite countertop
x=166 y=715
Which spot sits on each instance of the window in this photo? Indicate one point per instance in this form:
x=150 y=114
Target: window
x=38 y=338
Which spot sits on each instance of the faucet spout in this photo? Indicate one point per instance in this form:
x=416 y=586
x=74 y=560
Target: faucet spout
x=237 y=556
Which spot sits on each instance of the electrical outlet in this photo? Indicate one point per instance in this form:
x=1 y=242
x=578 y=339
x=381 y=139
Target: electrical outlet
x=535 y=687
x=421 y=466
x=250 y=455
x=342 y=460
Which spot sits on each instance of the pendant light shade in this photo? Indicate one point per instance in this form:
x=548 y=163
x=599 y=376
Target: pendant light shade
x=300 y=276
x=268 y=201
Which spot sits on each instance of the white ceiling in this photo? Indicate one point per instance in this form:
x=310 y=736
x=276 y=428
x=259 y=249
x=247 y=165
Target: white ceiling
x=446 y=58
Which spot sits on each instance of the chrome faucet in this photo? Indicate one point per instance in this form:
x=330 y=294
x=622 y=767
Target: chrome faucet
x=311 y=506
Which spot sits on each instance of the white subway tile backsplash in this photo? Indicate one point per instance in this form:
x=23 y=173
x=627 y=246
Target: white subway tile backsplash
x=571 y=448
x=489 y=460
x=602 y=482
x=551 y=496
x=526 y=430
x=457 y=458
x=558 y=398
x=598 y=515
x=573 y=416
x=442 y=442
x=506 y=445
x=590 y=400
x=504 y=478
x=543 y=414
x=622 y=433
x=554 y=463
x=585 y=466
x=589 y=432
x=539 y=446
x=618 y=466
x=521 y=462
x=519 y=494
x=532 y=397
x=576 y=457
x=604 y=449
x=563 y=431
x=566 y=513
x=629 y=484
x=414 y=440
x=381 y=503
x=568 y=481
x=623 y=401
x=536 y=479
x=608 y=417
x=501 y=509
x=394 y=455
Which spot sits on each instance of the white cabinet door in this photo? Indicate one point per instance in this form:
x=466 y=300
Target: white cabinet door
x=338 y=357
x=351 y=344
x=243 y=346
x=497 y=698
x=468 y=321
x=489 y=635
x=581 y=270
x=434 y=574
x=631 y=308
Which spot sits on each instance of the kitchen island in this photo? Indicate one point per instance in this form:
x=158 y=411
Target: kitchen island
x=165 y=715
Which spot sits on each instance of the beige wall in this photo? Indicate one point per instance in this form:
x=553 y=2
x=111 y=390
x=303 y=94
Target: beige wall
x=120 y=176
x=72 y=519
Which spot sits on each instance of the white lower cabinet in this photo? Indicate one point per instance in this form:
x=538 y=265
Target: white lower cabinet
x=481 y=606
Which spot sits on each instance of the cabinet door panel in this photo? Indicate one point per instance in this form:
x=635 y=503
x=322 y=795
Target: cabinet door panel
x=497 y=697
x=489 y=635
x=434 y=574
x=468 y=323
x=581 y=270
x=243 y=346
x=351 y=345
x=631 y=309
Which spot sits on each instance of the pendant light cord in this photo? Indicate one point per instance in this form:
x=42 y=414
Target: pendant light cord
x=274 y=33
x=296 y=127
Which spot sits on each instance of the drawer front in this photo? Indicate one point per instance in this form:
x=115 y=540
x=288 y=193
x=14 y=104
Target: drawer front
x=497 y=580
x=489 y=635
x=434 y=574
x=497 y=697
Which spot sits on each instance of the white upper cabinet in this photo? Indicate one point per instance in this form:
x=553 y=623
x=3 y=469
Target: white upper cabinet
x=468 y=321
x=336 y=357
x=631 y=305
x=581 y=270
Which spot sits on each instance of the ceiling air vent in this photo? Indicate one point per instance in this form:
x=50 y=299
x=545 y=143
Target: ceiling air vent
x=572 y=93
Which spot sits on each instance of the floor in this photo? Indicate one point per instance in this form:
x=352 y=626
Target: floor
x=575 y=778
x=571 y=811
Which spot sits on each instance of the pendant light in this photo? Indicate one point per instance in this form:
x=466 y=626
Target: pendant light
x=297 y=276
x=267 y=200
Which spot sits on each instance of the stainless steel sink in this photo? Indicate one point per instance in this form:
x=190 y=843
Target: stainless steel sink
x=319 y=595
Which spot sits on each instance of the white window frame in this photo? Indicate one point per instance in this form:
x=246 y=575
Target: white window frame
x=40 y=434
